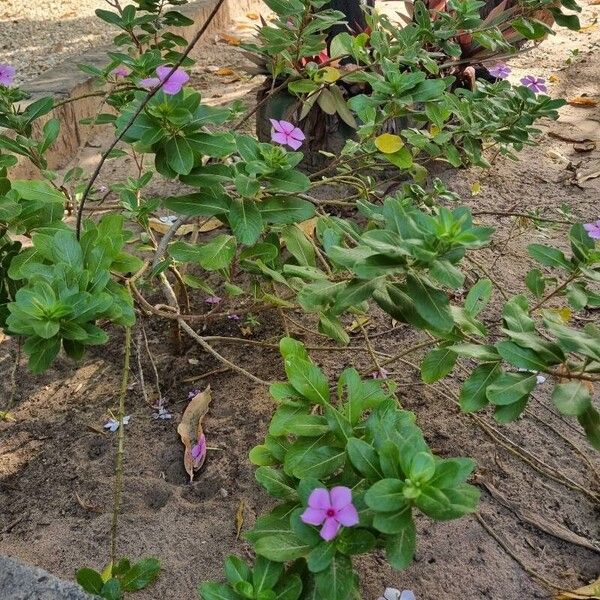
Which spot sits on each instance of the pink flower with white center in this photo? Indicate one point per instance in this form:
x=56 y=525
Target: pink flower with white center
x=7 y=74
x=213 y=300
x=380 y=373
x=286 y=134
x=535 y=84
x=121 y=71
x=332 y=509
x=172 y=85
x=593 y=229
x=199 y=452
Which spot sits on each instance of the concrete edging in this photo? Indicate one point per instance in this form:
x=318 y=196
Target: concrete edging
x=68 y=81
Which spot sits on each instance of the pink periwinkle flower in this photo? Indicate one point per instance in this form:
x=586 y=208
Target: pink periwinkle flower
x=593 y=229
x=380 y=374
x=193 y=394
x=332 y=509
x=172 y=85
x=287 y=134
x=234 y=317
x=500 y=71
x=121 y=71
x=394 y=594
x=213 y=300
x=7 y=74
x=199 y=452
x=535 y=84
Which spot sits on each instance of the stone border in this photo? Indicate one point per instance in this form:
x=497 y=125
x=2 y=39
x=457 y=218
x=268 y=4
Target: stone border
x=68 y=81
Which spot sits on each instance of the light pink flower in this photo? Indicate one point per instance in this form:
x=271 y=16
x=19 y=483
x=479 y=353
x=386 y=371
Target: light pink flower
x=121 y=71
x=172 y=85
x=286 y=133
x=214 y=300
x=535 y=84
x=593 y=229
x=500 y=71
x=199 y=452
x=332 y=509
x=7 y=74
x=380 y=374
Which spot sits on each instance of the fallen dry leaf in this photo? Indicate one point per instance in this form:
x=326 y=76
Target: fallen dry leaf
x=239 y=519
x=225 y=72
x=553 y=79
x=586 y=146
x=585 y=101
x=591 y=171
x=358 y=323
x=587 y=591
x=161 y=227
x=232 y=40
x=308 y=227
x=253 y=16
x=190 y=429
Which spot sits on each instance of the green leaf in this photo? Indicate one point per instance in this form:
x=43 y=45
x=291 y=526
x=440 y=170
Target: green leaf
x=294 y=420
x=266 y=574
x=572 y=398
x=400 y=548
x=446 y=504
x=393 y=522
x=355 y=540
x=431 y=304
x=336 y=582
x=205 y=204
x=299 y=245
x=281 y=547
x=311 y=457
x=41 y=352
x=364 y=458
x=283 y=210
x=237 y=570
x=216 y=254
x=89 y=580
x=217 y=591
x=437 y=364
x=180 y=156
x=478 y=297
x=548 y=256
x=308 y=380
x=590 y=421
x=215 y=145
x=289 y=588
x=386 y=495
x=422 y=467
x=246 y=221
x=276 y=482
x=524 y=358
x=141 y=575
x=320 y=557
x=38 y=109
x=112 y=590
x=289 y=181
x=473 y=391
x=535 y=282
x=509 y=388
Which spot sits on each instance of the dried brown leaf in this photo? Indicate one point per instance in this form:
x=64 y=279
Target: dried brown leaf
x=232 y=40
x=308 y=227
x=190 y=428
x=584 y=101
x=587 y=591
x=239 y=519
x=225 y=72
x=253 y=16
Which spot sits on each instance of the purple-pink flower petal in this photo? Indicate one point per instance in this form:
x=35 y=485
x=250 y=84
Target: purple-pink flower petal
x=347 y=516
x=276 y=125
x=287 y=127
x=593 y=229
x=340 y=496
x=150 y=82
x=294 y=144
x=330 y=529
x=313 y=516
x=535 y=84
x=121 y=71
x=319 y=498
x=500 y=71
x=279 y=137
x=7 y=74
x=298 y=134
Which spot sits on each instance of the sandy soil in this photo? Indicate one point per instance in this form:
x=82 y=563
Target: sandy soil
x=56 y=464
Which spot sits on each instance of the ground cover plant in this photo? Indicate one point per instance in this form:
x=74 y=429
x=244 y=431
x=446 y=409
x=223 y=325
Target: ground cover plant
x=347 y=464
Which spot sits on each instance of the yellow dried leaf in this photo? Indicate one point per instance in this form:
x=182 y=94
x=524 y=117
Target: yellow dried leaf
x=329 y=74
x=232 y=40
x=252 y=15
x=583 y=101
x=590 y=591
x=589 y=27
x=388 y=143
x=553 y=79
x=565 y=314
x=190 y=429
x=225 y=72
x=475 y=188
x=161 y=227
x=434 y=130
x=308 y=227
x=358 y=323
x=239 y=519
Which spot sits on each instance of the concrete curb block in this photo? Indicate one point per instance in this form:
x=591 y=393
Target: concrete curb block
x=20 y=581
x=68 y=81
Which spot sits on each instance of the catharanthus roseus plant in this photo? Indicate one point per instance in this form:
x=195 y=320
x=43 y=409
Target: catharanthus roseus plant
x=251 y=231
x=349 y=468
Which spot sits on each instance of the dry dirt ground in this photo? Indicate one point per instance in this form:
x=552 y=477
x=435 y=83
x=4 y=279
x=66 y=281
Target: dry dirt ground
x=56 y=463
